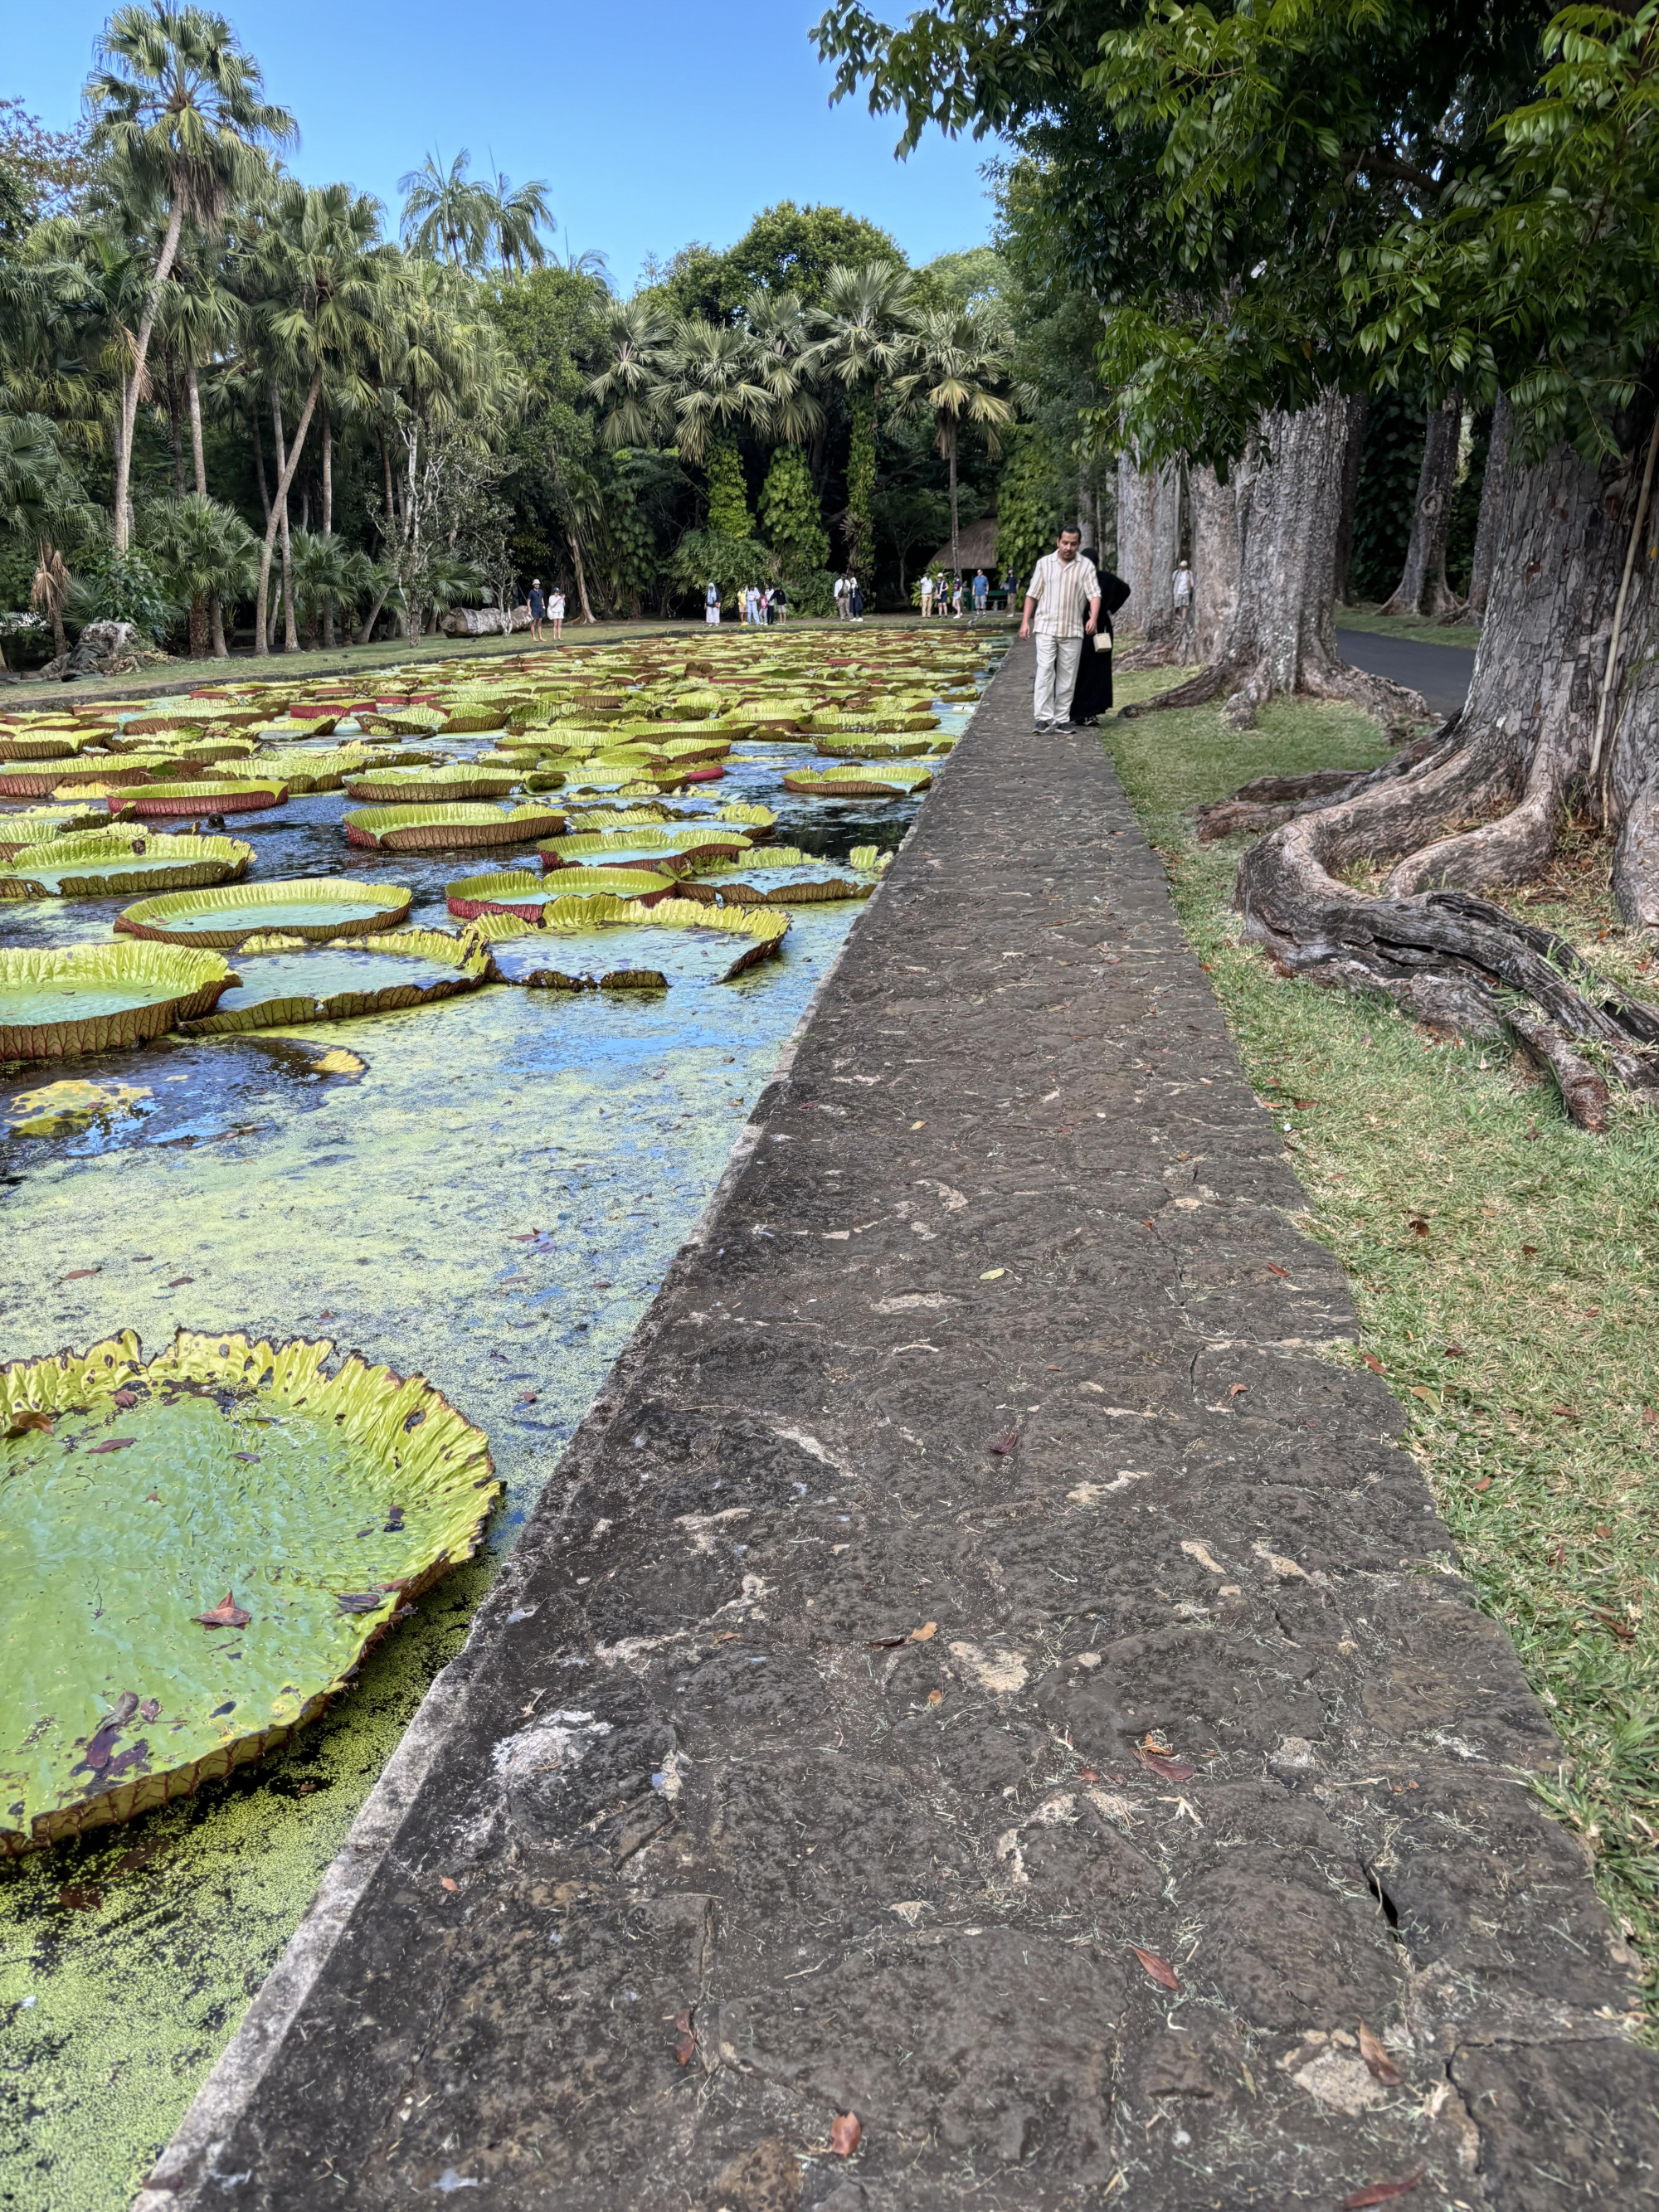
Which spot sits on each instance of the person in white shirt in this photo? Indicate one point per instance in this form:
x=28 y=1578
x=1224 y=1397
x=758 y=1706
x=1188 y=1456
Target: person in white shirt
x=711 y=604
x=927 y=594
x=1062 y=602
x=555 y=615
x=843 y=595
x=1181 y=594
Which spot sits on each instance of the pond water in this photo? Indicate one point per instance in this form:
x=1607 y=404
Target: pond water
x=486 y=1191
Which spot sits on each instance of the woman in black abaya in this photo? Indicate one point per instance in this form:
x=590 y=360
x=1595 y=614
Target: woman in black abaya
x=1092 y=695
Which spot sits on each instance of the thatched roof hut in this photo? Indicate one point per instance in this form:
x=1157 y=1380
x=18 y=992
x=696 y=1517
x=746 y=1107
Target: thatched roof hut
x=977 y=546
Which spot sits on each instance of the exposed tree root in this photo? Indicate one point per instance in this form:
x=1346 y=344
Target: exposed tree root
x=1267 y=800
x=1248 y=686
x=1454 y=960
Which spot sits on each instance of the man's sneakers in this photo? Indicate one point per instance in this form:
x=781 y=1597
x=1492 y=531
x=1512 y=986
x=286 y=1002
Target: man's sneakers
x=1050 y=729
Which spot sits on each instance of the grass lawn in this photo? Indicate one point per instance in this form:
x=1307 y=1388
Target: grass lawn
x=1427 y=633
x=1501 y=1263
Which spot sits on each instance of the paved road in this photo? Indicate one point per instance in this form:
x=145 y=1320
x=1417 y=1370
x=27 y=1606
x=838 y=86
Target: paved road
x=972 y=1607
x=1440 y=672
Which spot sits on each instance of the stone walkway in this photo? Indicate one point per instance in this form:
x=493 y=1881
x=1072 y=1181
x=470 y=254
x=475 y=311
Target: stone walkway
x=979 y=1667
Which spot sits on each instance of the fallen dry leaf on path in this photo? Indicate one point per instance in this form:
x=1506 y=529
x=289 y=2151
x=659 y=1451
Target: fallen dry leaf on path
x=445 y=1881
x=926 y=1633
x=30 y=1418
x=1160 y=1970
x=1379 y=2192
x=1373 y=1363
x=844 y=2133
x=80 y=1274
x=1381 y=2066
x=1004 y=1445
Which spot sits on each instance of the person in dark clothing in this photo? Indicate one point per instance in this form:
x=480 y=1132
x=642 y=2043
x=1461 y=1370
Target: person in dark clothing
x=1092 y=695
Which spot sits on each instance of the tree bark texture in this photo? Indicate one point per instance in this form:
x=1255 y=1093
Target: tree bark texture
x=582 y=573
x=1149 y=543
x=197 y=454
x=136 y=383
x=1423 y=590
x=285 y=476
x=1214 y=510
x=1281 y=635
x=1481 y=811
x=216 y=622
x=1494 y=493
x=1359 y=408
x=279 y=508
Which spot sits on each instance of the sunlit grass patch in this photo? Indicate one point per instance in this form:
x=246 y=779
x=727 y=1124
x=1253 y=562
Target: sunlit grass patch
x=1501 y=1263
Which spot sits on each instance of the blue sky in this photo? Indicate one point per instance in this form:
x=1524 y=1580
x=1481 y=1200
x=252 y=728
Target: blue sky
x=652 y=121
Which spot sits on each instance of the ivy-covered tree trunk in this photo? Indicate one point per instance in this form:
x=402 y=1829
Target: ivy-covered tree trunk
x=1564 y=694
x=1423 y=590
x=1494 y=494
x=1281 y=633
x=790 y=515
x=859 y=527
x=728 y=495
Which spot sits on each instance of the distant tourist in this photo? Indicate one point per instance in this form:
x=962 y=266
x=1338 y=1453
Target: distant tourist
x=843 y=599
x=1181 y=591
x=711 y=606
x=927 y=593
x=1063 y=599
x=955 y=600
x=1009 y=585
x=555 y=615
x=780 y=605
x=854 y=598
x=537 y=611
x=981 y=592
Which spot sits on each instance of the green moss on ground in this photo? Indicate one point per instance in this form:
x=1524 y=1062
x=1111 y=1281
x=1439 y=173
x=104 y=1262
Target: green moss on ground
x=1501 y=1262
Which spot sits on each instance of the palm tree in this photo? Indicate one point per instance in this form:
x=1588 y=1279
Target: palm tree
x=447 y=215
x=322 y=261
x=179 y=109
x=329 y=576
x=207 y=554
x=631 y=389
x=713 y=385
x=519 y=213
x=956 y=361
x=864 y=327
x=784 y=364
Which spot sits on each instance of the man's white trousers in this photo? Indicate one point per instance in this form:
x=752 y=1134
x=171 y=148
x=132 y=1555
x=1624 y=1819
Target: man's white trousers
x=1057 y=659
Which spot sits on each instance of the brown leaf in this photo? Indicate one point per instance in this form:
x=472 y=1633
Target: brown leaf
x=1379 y=2192
x=1004 y=1445
x=1377 y=2058
x=936 y=1697
x=844 y=2133
x=226 y=1614
x=685 y=2050
x=31 y=1417
x=1484 y=1483
x=1374 y=1363
x=359 y=1600
x=1160 y=1970
x=1172 y=1769
x=1419 y=1227
x=1456 y=1352
x=1531 y=1251
x=151 y=1709
x=925 y=1634
x=114 y=1444
x=1272 y=1270
x=445 y=1881
x=124 y=1399
x=1237 y=1389
x=178 y=1282
x=80 y=1274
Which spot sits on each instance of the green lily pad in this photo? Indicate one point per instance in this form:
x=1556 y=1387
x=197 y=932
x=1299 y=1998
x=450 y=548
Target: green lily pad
x=690 y=845
x=516 y=891
x=456 y=826
x=314 y=907
x=862 y=783
x=108 y=863
x=195 y=1555
x=393 y=786
x=284 y=979
x=37 y=743
x=624 y=944
x=243 y=796
x=86 y=998
x=65 y=772
x=40 y=825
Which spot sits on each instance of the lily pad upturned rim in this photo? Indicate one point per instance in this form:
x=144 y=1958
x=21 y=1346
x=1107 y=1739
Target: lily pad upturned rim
x=764 y=927
x=470 y=964
x=400 y=1420
x=244 y=796
x=391 y=787
x=200 y=862
x=152 y=917
x=518 y=892
x=194 y=980
x=811 y=785
x=461 y=826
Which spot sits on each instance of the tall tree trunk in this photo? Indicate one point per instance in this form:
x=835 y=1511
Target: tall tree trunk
x=328 y=472
x=199 y=627
x=176 y=430
x=1148 y=547
x=133 y=387
x=390 y=501
x=860 y=529
x=285 y=477
x=1573 y=611
x=1282 y=637
x=259 y=463
x=1423 y=590
x=197 y=454
x=279 y=506
x=1215 y=560
x=1494 y=491
x=216 y=620
x=581 y=574
x=956 y=533
x=1359 y=408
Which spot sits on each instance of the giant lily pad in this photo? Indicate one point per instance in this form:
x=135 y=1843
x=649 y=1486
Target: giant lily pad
x=398 y=787
x=285 y=980
x=86 y=998
x=39 y=825
x=599 y=944
x=516 y=891
x=53 y=743
x=251 y=1525
x=688 y=846
x=862 y=783
x=244 y=796
x=456 y=826
x=109 y=863
x=40 y=778
x=314 y=907
x=783 y=876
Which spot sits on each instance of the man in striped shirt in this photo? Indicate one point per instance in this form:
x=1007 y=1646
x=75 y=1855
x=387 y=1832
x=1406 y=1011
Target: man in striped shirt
x=1064 y=596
